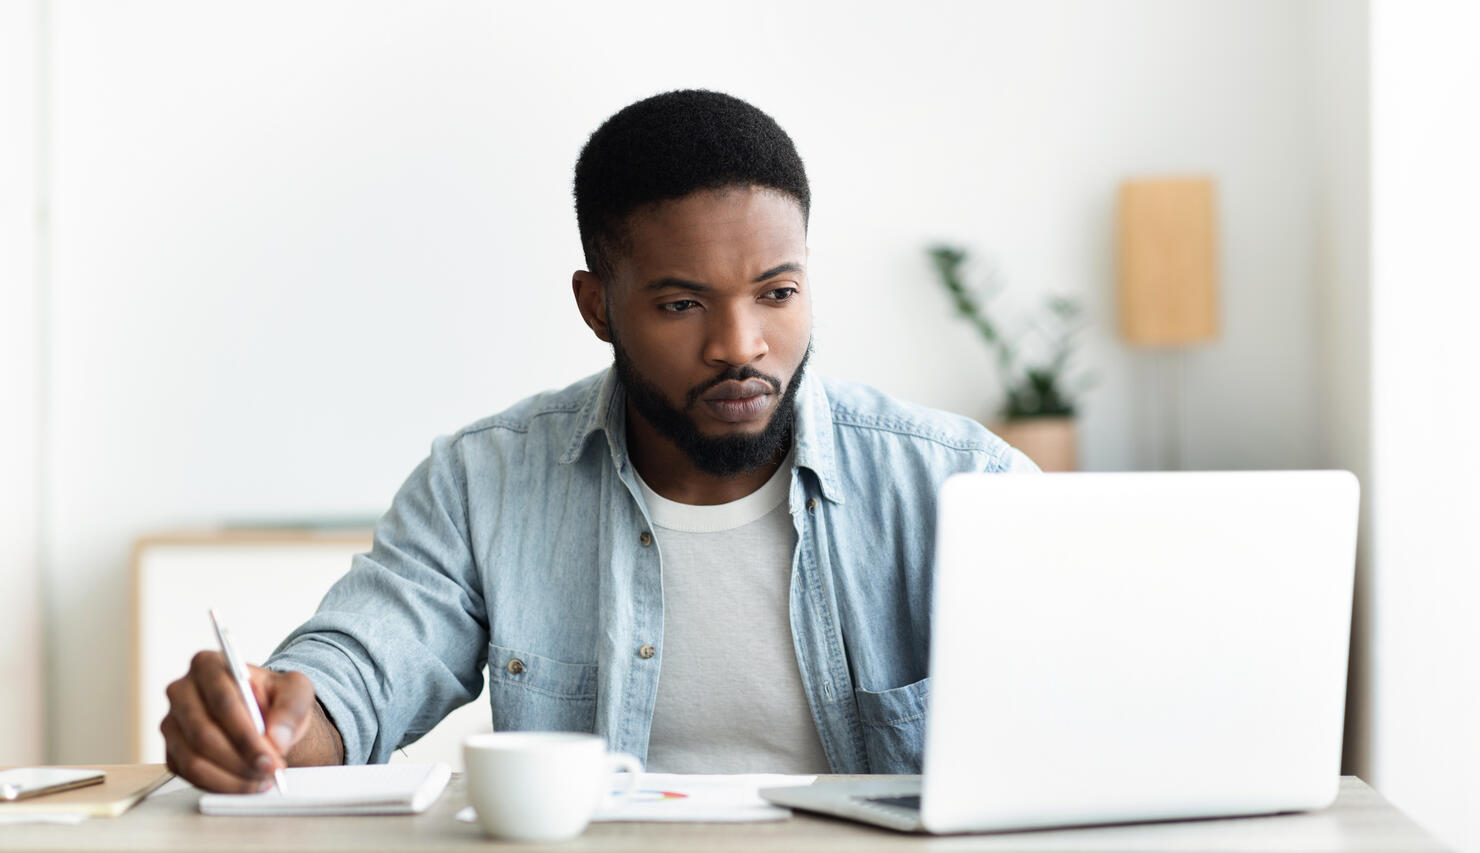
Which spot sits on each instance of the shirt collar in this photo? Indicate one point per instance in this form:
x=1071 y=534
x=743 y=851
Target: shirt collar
x=814 y=436
x=604 y=410
x=604 y=400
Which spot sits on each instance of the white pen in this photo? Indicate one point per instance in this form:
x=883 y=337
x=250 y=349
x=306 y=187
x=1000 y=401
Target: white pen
x=244 y=685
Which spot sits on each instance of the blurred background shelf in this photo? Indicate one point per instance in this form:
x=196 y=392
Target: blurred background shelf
x=264 y=582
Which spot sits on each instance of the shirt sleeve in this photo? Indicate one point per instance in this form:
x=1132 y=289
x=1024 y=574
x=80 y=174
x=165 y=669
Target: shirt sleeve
x=401 y=640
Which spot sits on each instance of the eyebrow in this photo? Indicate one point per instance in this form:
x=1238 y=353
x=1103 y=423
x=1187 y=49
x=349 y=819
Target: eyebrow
x=779 y=269
x=696 y=287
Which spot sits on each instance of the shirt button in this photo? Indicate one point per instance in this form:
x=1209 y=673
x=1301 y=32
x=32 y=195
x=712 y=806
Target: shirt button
x=647 y=651
x=515 y=666
x=646 y=538
x=812 y=505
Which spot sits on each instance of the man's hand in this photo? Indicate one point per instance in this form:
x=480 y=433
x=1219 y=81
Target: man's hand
x=209 y=737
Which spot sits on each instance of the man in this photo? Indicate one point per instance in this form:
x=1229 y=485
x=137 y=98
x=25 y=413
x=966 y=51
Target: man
x=711 y=558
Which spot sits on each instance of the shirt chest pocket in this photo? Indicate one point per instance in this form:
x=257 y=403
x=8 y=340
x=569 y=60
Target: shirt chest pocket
x=894 y=726
x=530 y=692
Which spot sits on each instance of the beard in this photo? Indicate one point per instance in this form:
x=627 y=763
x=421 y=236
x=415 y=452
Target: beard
x=717 y=456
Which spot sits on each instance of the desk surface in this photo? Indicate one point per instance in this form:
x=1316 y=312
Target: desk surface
x=1360 y=820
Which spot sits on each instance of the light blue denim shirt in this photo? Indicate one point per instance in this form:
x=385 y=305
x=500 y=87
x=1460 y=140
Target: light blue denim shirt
x=524 y=537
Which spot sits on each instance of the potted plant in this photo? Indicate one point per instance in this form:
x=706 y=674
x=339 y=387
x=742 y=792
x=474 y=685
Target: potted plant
x=1038 y=414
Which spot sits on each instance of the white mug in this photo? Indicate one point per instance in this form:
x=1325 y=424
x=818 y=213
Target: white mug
x=541 y=786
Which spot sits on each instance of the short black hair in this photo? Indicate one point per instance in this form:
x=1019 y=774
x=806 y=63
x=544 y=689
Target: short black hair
x=669 y=146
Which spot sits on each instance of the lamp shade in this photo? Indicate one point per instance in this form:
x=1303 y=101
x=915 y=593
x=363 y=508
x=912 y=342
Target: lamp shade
x=1168 y=261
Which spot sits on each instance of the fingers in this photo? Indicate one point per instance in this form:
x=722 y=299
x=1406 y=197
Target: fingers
x=192 y=728
x=209 y=736
x=201 y=771
x=288 y=708
x=228 y=709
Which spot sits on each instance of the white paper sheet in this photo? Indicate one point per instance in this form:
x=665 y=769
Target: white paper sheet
x=55 y=817
x=702 y=798
x=695 y=798
x=357 y=789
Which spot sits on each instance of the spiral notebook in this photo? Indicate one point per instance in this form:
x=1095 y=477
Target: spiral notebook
x=354 y=790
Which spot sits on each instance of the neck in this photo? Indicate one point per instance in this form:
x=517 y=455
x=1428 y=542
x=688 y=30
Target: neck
x=669 y=471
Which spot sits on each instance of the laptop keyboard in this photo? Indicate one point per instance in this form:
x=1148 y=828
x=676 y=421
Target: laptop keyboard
x=911 y=802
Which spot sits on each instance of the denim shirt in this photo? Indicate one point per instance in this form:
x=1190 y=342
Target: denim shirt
x=524 y=539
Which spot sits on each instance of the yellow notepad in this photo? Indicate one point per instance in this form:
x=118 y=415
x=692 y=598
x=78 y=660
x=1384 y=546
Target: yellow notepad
x=123 y=786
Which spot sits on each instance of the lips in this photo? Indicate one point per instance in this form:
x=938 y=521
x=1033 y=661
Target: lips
x=738 y=390
x=737 y=402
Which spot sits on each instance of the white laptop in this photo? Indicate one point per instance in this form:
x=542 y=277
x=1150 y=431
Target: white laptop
x=1112 y=648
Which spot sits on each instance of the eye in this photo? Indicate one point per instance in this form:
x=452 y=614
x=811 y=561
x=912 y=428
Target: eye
x=781 y=294
x=679 y=306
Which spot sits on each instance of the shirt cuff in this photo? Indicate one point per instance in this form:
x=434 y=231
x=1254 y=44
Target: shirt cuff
x=326 y=667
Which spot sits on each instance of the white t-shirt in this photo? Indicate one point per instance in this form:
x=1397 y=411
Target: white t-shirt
x=730 y=696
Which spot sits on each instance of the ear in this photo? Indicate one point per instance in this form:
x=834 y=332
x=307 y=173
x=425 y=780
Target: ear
x=590 y=293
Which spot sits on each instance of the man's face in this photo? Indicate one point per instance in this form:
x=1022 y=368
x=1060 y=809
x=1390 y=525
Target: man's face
x=710 y=319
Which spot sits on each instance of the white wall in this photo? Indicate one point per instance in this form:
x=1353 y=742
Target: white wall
x=1343 y=285
x=1425 y=568
x=20 y=576
x=292 y=242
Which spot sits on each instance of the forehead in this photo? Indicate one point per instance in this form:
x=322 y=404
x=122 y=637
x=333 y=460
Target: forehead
x=714 y=233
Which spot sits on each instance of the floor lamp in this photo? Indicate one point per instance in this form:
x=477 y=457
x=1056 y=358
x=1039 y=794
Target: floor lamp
x=1168 y=293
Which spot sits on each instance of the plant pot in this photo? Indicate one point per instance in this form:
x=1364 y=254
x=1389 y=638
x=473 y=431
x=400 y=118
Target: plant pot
x=1051 y=442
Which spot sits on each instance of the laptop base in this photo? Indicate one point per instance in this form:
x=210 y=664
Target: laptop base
x=868 y=801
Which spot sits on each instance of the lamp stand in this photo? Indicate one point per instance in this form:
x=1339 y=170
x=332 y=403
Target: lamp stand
x=1164 y=409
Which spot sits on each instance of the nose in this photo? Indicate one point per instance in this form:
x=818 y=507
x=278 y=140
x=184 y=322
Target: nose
x=734 y=337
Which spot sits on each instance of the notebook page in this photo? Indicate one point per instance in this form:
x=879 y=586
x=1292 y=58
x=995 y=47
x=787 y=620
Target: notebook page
x=356 y=789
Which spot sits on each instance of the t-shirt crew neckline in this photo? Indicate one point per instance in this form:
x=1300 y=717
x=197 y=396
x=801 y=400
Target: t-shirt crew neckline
x=690 y=518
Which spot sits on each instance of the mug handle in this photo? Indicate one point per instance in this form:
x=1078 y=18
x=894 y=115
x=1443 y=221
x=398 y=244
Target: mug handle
x=618 y=762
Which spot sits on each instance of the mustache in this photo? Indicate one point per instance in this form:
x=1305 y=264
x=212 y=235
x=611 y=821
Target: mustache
x=732 y=374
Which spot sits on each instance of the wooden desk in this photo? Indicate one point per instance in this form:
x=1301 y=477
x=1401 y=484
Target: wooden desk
x=1361 y=820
